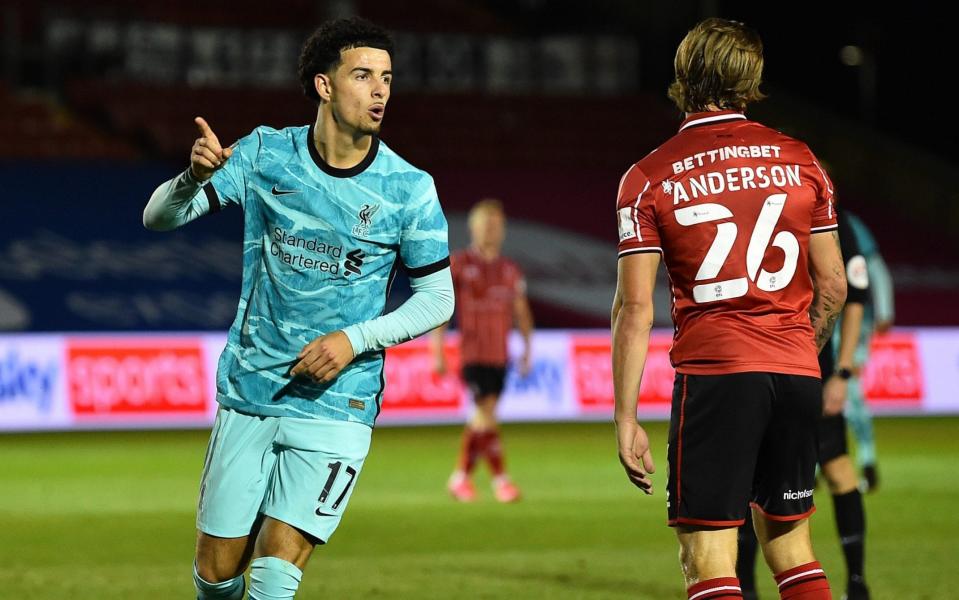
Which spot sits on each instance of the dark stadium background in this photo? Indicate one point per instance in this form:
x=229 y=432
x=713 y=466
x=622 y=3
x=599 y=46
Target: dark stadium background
x=543 y=104
x=97 y=103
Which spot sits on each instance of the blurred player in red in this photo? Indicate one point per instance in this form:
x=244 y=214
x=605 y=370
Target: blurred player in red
x=744 y=218
x=491 y=297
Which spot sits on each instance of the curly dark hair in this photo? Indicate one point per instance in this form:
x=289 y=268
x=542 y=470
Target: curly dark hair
x=321 y=52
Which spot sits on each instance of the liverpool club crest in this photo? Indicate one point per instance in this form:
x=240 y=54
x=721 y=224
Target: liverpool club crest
x=366 y=219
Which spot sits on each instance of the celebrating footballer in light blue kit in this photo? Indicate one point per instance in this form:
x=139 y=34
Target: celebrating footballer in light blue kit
x=330 y=213
x=321 y=247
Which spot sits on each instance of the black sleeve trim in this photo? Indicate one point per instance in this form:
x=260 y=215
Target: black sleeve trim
x=212 y=198
x=640 y=251
x=855 y=295
x=428 y=269
x=824 y=229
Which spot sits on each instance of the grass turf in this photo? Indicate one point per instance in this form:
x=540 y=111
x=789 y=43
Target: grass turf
x=110 y=515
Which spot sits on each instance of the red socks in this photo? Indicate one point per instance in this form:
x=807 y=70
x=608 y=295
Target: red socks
x=470 y=449
x=494 y=452
x=481 y=443
x=805 y=582
x=720 y=588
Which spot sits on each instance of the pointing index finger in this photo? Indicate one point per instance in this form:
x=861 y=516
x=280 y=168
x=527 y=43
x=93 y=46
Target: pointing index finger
x=204 y=127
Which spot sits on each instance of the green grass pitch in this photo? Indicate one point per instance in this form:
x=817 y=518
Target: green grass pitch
x=110 y=515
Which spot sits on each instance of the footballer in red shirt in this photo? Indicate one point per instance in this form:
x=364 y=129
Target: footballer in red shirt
x=744 y=219
x=491 y=296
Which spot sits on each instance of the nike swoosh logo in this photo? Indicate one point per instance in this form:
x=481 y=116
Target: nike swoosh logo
x=277 y=192
x=320 y=513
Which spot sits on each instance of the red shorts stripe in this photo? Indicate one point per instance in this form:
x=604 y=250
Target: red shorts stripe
x=706 y=522
x=783 y=518
x=679 y=451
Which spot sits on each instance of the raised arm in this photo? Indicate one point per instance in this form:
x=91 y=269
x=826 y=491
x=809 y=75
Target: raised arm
x=177 y=201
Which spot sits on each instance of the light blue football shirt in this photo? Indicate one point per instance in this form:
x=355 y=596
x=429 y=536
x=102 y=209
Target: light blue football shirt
x=320 y=248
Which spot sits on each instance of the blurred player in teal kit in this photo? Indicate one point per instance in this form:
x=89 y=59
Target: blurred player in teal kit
x=330 y=212
x=878 y=317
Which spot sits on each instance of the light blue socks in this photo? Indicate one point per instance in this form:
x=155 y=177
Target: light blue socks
x=860 y=421
x=232 y=589
x=273 y=578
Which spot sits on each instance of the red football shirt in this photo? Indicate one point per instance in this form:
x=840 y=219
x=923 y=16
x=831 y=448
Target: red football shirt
x=731 y=205
x=485 y=291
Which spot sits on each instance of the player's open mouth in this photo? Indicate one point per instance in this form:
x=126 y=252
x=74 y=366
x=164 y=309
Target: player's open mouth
x=376 y=112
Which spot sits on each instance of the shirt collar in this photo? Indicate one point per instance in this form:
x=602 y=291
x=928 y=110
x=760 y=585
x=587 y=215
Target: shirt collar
x=711 y=117
x=336 y=171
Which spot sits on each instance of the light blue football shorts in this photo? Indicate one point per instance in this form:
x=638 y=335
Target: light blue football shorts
x=299 y=471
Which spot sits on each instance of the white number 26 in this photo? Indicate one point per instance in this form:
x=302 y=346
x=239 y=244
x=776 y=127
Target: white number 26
x=758 y=242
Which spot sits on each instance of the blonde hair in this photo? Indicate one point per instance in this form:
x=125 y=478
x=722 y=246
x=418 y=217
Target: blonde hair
x=719 y=62
x=484 y=206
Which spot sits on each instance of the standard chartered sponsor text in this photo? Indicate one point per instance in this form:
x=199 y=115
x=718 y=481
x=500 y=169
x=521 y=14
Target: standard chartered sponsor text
x=284 y=246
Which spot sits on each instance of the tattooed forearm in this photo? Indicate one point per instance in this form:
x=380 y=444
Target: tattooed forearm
x=829 y=296
x=823 y=313
x=824 y=321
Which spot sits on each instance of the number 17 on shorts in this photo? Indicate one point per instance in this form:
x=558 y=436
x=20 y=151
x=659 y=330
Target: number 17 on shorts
x=299 y=471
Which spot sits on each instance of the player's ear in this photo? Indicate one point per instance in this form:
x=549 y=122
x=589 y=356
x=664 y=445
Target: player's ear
x=323 y=85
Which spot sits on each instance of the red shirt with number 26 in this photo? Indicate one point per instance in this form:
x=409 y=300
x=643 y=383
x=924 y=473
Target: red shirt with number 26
x=731 y=205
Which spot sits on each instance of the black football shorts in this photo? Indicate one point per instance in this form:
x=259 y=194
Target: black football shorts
x=739 y=440
x=484 y=380
x=832 y=438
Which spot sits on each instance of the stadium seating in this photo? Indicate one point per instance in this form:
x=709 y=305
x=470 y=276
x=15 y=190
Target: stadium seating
x=35 y=127
x=552 y=158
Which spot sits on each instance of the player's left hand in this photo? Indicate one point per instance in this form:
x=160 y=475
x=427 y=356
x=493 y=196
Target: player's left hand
x=834 y=395
x=634 y=454
x=324 y=358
